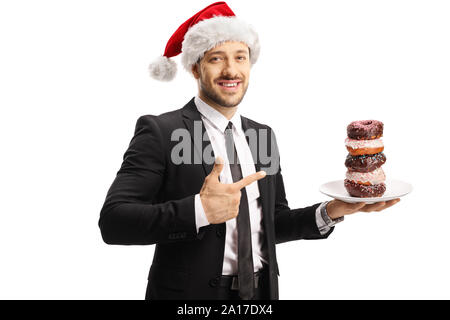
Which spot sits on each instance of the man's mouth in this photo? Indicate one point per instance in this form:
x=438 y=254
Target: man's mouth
x=229 y=85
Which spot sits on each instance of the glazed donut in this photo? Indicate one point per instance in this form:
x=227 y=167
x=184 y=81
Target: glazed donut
x=365 y=163
x=365 y=129
x=360 y=147
x=364 y=191
x=363 y=151
x=366 y=178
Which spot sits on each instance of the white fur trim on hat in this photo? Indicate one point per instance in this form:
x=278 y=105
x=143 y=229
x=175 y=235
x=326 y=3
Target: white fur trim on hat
x=208 y=33
x=163 y=69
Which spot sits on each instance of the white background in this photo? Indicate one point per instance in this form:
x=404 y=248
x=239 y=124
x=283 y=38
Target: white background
x=74 y=80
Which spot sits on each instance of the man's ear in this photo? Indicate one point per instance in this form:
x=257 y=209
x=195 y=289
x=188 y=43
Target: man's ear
x=195 y=70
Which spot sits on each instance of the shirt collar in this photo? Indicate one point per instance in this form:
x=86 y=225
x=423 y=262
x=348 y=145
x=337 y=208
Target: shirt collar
x=216 y=118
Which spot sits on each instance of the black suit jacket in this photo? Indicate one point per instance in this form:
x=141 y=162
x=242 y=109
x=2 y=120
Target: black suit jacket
x=151 y=201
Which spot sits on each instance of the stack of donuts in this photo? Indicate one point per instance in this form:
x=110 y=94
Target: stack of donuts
x=365 y=177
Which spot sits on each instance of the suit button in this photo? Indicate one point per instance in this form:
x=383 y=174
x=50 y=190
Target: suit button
x=214 y=282
x=219 y=232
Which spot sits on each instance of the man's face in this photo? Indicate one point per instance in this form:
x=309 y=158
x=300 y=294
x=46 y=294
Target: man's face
x=223 y=73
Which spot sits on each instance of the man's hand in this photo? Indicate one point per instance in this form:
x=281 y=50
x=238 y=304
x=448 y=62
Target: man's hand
x=220 y=200
x=338 y=208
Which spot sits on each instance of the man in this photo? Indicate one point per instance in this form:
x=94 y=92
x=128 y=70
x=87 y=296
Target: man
x=215 y=224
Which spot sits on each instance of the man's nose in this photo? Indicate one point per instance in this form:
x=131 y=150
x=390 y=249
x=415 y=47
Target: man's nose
x=230 y=68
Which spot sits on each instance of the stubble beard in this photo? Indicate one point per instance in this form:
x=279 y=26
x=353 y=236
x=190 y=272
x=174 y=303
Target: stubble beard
x=216 y=98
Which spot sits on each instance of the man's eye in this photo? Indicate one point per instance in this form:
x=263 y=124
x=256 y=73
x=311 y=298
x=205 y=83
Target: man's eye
x=215 y=59
x=241 y=58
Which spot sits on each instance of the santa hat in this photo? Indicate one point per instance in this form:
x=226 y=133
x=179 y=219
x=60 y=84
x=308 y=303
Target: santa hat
x=205 y=30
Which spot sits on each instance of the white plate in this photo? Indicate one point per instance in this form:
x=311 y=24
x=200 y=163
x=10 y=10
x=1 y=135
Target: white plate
x=394 y=189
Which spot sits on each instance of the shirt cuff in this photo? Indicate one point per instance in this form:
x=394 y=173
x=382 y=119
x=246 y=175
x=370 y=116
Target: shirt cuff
x=200 y=216
x=324 y=222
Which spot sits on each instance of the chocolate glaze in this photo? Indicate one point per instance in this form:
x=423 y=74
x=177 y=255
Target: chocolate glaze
x=365 y=129
x=366 y=162
x=362 y=191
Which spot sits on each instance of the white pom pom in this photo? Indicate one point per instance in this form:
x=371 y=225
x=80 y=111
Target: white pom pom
x=163 y=69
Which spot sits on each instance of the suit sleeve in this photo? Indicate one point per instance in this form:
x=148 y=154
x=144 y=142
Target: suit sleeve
x=130 y=214
x=293 y=224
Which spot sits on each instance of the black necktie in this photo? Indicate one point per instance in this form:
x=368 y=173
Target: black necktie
x=245 y=259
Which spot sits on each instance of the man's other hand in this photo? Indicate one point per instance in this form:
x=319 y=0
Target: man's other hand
x=338 y=208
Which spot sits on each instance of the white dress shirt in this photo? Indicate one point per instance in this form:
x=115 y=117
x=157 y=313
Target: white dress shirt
x=215 y=124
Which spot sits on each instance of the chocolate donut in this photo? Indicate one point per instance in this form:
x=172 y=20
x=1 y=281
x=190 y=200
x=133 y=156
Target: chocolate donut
x=365 y=163
x=365 y=129
x=363 y=191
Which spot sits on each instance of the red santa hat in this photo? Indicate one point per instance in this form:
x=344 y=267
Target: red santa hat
x=205 y=30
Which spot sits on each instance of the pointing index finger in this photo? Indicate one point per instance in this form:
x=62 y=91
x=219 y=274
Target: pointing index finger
x=249 y=179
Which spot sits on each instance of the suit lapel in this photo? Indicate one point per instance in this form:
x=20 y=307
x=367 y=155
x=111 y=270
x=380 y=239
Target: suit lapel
x=193 y=122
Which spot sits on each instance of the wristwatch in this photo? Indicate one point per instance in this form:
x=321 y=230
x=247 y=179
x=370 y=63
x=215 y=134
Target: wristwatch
x=330 y=222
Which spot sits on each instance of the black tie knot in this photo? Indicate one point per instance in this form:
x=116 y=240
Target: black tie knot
x=230 y=125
